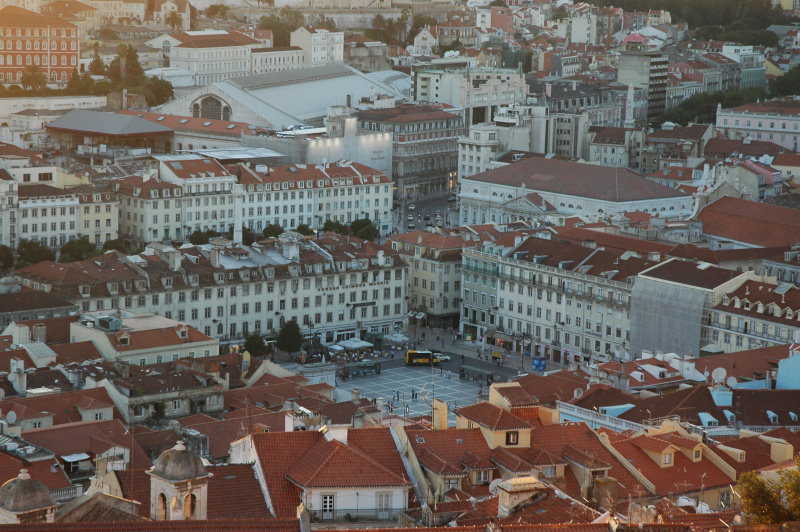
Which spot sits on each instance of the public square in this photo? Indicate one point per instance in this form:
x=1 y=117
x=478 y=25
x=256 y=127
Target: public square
x=443 y=384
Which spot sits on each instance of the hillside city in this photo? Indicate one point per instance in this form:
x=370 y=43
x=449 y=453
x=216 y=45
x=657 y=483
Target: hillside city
x=489 y=265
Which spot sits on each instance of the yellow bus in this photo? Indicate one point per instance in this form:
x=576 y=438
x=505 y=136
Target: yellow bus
x=421 y=358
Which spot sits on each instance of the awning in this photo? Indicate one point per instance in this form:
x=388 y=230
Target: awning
x=335 y=347
x=75 y=457
x=420 y=315
x=354 y=343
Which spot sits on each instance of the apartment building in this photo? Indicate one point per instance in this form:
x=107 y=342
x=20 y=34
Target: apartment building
x=647 y=70
x=434 y=260
x=320 y=46
x=753 y=316
x=31 y=39
x=335 y=286
x=777 y=121
x=551 y=299
x=478 y=91
x=149 y=210
x=424 y=145
x=47 y=214
x=98 y=213
x=313 y=194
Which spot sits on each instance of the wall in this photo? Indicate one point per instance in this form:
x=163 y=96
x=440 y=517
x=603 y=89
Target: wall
x=14 y=105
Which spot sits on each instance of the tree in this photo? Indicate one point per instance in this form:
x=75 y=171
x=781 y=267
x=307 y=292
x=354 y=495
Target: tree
x=6 y=257
x=335 y=227
x=702 y=107
x=247 y=236
x=254 y=344
x=217 y=11
x=364 y=228
x=419 y=22
x=33 y=78
x=107 y=34
x=157 y=91
x=763 y=502
x=117 y=244
x=174 y=20
x=788 y=84
x=97 y=67
x=282 y=24
x=289 y=339
x=498 y=3
x=125 y=68
x=201 y=237
x=272 y=231
x=304 y=229
x=78 y=249
x=32 y=251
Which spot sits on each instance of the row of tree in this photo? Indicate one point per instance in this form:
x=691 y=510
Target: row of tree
x=124 y=72
x=755 y=14
x=362 y=228
x=702 y=108
x=33 y=251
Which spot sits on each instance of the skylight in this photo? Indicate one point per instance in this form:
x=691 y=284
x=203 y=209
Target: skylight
x=206 y=124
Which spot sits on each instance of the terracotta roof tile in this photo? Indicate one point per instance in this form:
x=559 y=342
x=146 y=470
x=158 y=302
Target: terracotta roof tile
x=751 y=222
x=332 y=464
x=492 y=417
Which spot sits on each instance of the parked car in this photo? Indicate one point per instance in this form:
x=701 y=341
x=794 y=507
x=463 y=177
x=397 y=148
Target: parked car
x=412 y=207
x=442 y=357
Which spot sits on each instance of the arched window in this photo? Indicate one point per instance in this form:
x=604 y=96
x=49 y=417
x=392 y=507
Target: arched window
x=161 y=507
x=189 y=506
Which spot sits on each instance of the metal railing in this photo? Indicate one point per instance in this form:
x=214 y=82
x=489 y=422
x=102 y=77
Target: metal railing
x=357 y=514
x=67 y=493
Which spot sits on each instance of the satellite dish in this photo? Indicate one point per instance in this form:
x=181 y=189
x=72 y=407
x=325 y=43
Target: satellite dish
x=718 y=375
x=493 y=486
x=706 y=374
x=11 y=417
x=731 y=382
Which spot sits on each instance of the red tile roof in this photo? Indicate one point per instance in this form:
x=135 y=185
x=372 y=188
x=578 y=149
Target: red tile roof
x=332 y=464
x=233 y=493
x=492 y=417
x=558 y=386
x=690 y=273
x=62 y=406
x=88 y=437
x=220 y=525
x=751 y=222
x=221 y=433
x=277 y=453
x=42 y=470
x=444 y=451
x=577 y=179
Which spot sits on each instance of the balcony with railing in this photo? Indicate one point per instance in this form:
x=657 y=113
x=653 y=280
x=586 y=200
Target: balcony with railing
x=355 y=514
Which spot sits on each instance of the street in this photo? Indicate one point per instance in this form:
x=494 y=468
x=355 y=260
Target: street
x=427 y=207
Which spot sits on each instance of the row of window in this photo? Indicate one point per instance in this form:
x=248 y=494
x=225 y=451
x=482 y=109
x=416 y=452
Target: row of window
x=9 y=45
x=37 y=59
x=38 y=32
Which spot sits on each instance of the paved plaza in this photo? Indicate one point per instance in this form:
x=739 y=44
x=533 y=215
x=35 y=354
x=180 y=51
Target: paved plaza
x=425 y=383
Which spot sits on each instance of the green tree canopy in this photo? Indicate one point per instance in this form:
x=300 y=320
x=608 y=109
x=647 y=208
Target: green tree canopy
x=282 y=24
x=702 y=108
x=770 y=502
x=201 y=237
x=217 y=11
x=78 y=249
x=32 y=251
x=6 y=257
x=125 y=68
x=364 y=228
x=33 y=78
x=254 y=344
x=116 y=244
x=289 y=339
x=788 y=84
x=335 y=227
x=304 y=229
x=272 y=231
x=97 y=67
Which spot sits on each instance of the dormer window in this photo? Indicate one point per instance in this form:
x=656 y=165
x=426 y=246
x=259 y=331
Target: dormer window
x=698 y=454
x=760 y=308
x=183 y=332
x=666 y=459
x=747 y=305
x=124 y=339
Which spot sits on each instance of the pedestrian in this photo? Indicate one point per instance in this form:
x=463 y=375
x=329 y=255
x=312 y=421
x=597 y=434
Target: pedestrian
x=462 y=358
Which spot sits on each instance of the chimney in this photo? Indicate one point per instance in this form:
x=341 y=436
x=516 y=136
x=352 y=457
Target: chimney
x=516 y=491
x=439 y=413
x=604 y=492
x=17 y=375
x=39 y=333
x=349 y=100
x=355 y=394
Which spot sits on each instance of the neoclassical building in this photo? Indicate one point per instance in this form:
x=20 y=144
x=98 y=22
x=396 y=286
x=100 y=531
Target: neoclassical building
x=540 y=187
